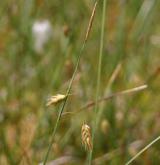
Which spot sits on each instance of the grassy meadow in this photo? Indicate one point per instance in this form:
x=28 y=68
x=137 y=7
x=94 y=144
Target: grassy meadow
x=109 y=74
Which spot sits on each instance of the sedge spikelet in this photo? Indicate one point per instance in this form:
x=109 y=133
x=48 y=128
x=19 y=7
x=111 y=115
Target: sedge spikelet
x=86 y=137
x=55 y=99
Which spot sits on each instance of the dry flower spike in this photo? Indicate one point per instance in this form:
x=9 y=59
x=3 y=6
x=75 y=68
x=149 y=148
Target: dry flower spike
x=55 y=99
x=86 y=137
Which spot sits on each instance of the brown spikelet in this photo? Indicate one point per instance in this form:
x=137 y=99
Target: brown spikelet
x=66 y=30
x=55 y=99
x=91 y=21
x=86 y=137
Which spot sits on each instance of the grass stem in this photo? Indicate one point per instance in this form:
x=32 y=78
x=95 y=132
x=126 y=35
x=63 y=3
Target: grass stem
x=70 y=84
x=143 y=150
x=98 y=76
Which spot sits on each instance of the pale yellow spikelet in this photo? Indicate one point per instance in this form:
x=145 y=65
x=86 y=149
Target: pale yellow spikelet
x=86 y=137
x=55 y=99
x=104 y=126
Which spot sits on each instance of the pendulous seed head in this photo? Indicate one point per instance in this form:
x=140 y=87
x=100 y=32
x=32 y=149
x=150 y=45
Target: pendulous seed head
x=86 y=137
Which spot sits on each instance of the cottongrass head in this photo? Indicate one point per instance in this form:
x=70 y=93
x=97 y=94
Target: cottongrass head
x=42 y=32
x=86 y=137
x=53 y=100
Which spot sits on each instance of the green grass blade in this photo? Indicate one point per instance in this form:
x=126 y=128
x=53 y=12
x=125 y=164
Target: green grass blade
x=70 y=85
x=143 y=150
x=99 y=74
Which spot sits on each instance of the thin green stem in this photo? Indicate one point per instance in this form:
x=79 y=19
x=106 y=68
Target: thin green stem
x=63 y=105
x=71 y=82
x=143 y=150
x=99 y=75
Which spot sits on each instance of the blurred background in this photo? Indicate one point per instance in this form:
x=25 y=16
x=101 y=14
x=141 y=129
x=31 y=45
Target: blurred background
x=39 y=42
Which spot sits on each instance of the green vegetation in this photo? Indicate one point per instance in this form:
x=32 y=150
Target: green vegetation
x=45 y=51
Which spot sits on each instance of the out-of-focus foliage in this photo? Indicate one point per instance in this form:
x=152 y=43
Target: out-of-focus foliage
x=29 y=74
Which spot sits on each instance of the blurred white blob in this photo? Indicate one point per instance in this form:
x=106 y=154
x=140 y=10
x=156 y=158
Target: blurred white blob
x=41 y=31
x=155 y=40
